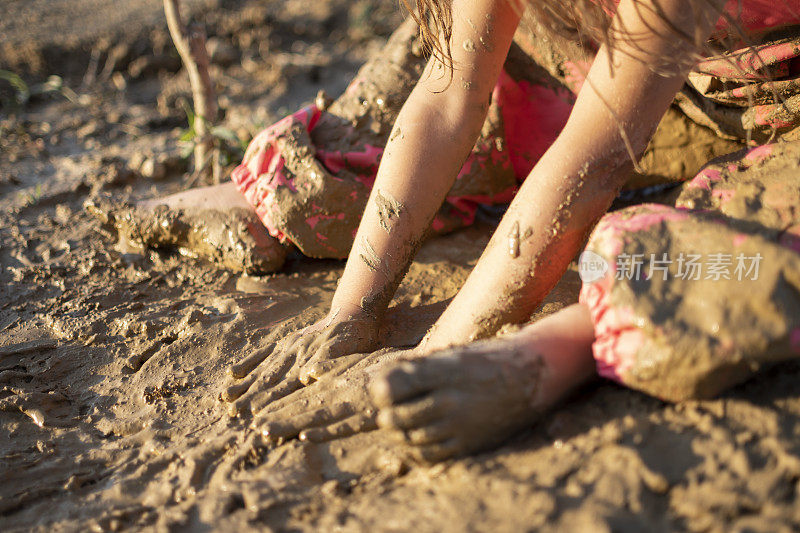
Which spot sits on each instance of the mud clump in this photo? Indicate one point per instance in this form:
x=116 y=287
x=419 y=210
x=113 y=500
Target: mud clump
x=234 y=239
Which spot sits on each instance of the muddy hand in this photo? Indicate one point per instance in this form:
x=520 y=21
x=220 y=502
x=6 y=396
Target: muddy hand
x=296 y=360
x=459 y=400
x=336 y=407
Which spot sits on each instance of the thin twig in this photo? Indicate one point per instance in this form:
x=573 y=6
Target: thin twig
x=191 y=46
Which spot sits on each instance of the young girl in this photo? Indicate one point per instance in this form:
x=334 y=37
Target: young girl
x=647 y=323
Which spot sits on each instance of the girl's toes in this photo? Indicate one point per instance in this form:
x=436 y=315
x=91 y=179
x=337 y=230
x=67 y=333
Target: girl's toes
x=428 y=435
x=359 y=423
x=404 y=382
x=439 y=451
x=415 y=414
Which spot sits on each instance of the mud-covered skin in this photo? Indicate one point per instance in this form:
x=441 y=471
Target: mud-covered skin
x=460 y=400
x=388 y=209
x=292 y=361
x=680 y=339
x=314 y=182
x=233 y=238
x=350 y=327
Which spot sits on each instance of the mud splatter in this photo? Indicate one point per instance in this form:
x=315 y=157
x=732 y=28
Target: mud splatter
x=527 y=234
x=370 y=257
x=513 y=240
x=322 y=100
x=389 y=208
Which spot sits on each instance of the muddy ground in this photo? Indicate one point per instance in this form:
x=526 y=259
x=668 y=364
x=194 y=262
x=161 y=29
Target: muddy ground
x=111 y=363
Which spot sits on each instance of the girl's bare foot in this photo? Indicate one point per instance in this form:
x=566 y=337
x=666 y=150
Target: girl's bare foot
x=215 y=223
x=468 y=398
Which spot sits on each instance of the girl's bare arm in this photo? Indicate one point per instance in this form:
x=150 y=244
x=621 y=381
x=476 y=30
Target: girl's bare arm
x=433 y=135
x=574 y=183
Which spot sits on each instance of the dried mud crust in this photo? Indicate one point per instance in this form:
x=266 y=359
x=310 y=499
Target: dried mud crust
x=678 y=150
x=702 y=333
x=234 y=239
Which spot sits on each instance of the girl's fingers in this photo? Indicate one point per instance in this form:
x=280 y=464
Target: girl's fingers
x=244 y=394
x=335 y=348
x=249 y=363
x=235 y=391
x=278 y=370
x=301 y=347
x=264 y=398
x=360 y=423
x=317 y=368
x=312 y=372
x=240 y=406
x=289 y=423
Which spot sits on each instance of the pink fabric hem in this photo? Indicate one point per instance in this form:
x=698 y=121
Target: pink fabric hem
x=532 y=118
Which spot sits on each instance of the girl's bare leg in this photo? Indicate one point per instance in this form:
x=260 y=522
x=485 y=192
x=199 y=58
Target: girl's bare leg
x=468 y=398
x=221 y=197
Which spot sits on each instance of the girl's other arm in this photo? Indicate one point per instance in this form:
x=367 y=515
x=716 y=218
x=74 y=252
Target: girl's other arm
x=576 y=180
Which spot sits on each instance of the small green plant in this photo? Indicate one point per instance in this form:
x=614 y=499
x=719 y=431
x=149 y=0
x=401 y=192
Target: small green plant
x=228 y=147
x=23 y=92
x=29 y=199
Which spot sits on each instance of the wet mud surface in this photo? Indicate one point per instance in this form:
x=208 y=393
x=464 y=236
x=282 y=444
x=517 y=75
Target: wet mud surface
x=112 y=362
